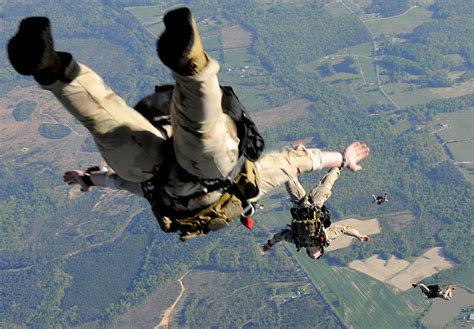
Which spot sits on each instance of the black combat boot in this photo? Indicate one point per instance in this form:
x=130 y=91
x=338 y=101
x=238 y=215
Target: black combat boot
x=31 y=52
x=179 y=47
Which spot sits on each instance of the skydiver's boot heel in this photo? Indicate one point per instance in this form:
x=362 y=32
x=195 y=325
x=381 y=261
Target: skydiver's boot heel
x=31 y=52
x=180 y=47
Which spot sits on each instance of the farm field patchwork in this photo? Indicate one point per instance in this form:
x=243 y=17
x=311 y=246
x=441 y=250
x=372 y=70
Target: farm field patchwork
x=426 y=265
x=361 y=302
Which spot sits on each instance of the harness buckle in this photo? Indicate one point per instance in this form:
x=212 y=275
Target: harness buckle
x=248 y=211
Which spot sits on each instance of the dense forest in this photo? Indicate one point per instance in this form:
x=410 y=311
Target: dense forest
x=64 y=264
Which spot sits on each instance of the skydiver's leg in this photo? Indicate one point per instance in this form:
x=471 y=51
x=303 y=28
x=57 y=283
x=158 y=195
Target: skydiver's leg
x=127 y=141
x=295 y=189
x=277 y=167
x=283 y=235
x=424 y=288
x=322 y=192
x=204 y=138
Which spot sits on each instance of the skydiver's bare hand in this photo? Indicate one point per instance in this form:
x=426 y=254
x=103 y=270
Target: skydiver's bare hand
x=74 y=177
x=354 y=153
x=364 y=238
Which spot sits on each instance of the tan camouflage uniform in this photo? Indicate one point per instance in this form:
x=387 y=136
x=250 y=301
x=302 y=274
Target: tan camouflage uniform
x=319 y=194
x=204 y=138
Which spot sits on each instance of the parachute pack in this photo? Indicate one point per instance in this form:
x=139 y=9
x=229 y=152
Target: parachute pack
x=156 y=108
x=308 y=225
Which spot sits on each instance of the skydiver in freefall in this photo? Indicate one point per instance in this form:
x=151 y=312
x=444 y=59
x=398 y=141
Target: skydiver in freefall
x=380 y=199
x=188 y=167
x=434 y=291
x=311 y=226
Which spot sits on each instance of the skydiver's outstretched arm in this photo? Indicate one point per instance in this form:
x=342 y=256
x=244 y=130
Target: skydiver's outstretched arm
x=350 y=159
x=105 y=179
x=335 y=231
x=283 y=235
x=277 y=167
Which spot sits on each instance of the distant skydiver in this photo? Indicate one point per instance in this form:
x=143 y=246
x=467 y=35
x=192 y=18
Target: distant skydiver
x=198 y=166
x=311 y=224
x=380 y=199
x=433 y=291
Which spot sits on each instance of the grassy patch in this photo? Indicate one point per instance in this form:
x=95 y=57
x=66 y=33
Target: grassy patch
x=336 y=9
x=401 y=126
x=156 y=28
x=460 y=125
x=237 y=57
x=147 y=14
x=368 y=68
x=253 y=98
x=458 y=89
x=363 y=49
x=460 y=131
x=462 y=151
x=211 y=42
x=404 y=95
x=400 y=24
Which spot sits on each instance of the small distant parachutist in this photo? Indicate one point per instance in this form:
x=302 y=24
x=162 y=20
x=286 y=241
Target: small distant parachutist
x=379 y=199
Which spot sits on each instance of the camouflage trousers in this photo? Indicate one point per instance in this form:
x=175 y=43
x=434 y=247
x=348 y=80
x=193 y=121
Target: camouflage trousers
x=319 y=194
x=205 y=140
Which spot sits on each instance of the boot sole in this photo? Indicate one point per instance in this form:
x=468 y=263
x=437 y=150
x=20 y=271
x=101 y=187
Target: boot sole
x=177 y=40
x=27 y=47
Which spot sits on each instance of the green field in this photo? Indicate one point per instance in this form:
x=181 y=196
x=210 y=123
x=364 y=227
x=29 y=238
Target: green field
x=212 y=41
x=359 y=301
x=147 y=14
x=461 y=130
x=366 y=98
x=462 y=151
x=400 y=24
x=253 y=98
x=404 y=95
x=156 y=29
x=337 y=9
x=363 y=49
x=368 y=68
x=461 y=125
x=237 y=56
